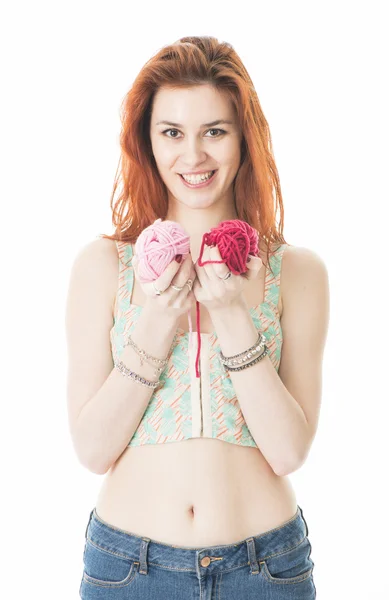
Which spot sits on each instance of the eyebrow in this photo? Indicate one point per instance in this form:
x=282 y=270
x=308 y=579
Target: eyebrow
x=218 y=122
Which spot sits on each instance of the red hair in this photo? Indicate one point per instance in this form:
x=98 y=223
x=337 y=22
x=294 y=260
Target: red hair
x=143 y=196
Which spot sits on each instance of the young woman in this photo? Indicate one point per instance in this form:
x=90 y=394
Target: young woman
x=196 y=502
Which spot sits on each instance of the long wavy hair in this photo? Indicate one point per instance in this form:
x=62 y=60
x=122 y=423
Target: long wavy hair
x=142 y=195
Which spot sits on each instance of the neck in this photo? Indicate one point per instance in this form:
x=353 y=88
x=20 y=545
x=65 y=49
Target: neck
x=197 y=221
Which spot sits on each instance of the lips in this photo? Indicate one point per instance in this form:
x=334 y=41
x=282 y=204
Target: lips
x=201 y=183
x=199 y=173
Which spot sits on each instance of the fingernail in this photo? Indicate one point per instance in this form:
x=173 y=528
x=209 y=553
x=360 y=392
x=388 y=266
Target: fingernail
x=179 y=258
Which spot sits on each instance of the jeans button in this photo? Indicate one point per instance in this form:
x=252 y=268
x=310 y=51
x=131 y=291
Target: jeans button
x=205 y=561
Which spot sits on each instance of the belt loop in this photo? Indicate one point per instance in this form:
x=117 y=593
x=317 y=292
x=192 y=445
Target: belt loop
x=252 y=556
x=306 y=526
x=143 y=555
x=89 y=520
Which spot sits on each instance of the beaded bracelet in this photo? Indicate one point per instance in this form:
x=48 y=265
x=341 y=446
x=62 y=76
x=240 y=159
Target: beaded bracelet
x=241 y=353
x=137 y=378
x=238 y=359
x=251 y=363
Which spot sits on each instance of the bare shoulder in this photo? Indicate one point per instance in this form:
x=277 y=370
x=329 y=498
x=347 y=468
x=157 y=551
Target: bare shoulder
x=301 y=264
x=98 y=261
x=301 y=267
x=99 y=248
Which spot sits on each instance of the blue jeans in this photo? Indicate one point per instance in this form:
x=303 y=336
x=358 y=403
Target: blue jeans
x=275 y=565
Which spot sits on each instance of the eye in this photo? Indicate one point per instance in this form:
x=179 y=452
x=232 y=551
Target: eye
x=222 y=132
x=166 y=130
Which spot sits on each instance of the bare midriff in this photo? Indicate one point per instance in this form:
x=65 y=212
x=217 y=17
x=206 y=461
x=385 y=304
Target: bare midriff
x=197 y=492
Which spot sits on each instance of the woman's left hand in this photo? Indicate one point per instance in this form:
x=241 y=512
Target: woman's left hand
x=209 y=288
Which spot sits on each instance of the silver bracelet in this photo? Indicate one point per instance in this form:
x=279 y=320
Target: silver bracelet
x=157 y=370
x=135 y=377
x=242 y=357
x=251 y=363
x=143 y=354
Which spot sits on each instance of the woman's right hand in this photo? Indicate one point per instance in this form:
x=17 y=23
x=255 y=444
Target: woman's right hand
x=171 y=301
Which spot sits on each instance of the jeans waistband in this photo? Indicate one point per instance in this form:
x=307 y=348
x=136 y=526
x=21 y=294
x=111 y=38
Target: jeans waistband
x=201 y=560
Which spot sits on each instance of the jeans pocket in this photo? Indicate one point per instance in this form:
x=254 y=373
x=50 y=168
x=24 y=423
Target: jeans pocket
x=106 y=568
x=290 y=566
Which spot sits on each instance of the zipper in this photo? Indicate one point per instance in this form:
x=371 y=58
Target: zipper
x=201 y=399
x=201 y=348
x=197 y=391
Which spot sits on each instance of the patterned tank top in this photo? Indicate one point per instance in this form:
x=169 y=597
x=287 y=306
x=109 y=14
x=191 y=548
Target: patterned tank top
x=185 y=406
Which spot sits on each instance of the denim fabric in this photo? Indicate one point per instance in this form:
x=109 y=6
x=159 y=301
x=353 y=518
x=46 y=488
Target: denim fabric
x=275 y=565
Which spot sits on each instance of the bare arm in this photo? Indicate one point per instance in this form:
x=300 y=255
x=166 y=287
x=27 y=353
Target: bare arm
x=282 y=409
x=108 y=421
x=104 y=407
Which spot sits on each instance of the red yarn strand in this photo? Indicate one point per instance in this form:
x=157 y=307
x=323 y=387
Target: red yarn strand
x=198 y=337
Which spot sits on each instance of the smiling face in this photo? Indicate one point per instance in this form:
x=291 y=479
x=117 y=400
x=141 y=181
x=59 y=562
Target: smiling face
x=195 y=130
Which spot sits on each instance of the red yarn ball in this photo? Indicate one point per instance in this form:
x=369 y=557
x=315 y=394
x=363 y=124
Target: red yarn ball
x=235 y=240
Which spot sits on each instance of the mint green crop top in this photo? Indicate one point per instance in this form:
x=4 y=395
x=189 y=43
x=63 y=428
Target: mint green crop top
x=178 y=410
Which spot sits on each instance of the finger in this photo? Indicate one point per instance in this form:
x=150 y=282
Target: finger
x=191 y=280
x=192 y=276
x=186 y=281
x=197 y=290
x=186 y=272
x=218 y=271
x=254 y=265
x=202 y=276
x=207 y=269
x=165 y=279
x=190 y=298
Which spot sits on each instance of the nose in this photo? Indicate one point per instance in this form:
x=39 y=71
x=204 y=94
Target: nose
x=193 y=153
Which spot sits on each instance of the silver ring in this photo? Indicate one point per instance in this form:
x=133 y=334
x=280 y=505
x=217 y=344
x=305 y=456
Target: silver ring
x=178 y=289
x=189 y=283
x=226 y=276
x=157 y=291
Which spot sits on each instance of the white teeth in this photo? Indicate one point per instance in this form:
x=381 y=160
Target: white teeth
x=197 y=178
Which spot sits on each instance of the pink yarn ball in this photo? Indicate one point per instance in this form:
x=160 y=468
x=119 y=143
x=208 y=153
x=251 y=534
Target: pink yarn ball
x=157 y=246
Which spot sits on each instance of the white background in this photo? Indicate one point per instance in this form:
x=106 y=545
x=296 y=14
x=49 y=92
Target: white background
x=319 y=71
